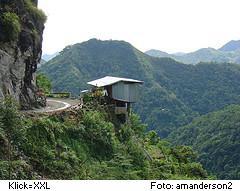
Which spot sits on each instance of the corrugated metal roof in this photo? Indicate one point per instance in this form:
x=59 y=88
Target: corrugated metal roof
x=109 y=80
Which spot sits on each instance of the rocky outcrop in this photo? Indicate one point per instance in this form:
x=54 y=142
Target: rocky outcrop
x=19 y=57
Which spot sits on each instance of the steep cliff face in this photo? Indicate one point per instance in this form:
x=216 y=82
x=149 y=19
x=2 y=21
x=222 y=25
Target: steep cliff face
x=21 y=28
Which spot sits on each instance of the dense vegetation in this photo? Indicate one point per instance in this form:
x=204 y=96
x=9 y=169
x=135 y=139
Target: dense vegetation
x=216 y=136
x=204 y=87
x=10 y=24
x=37 y=14
x=173 y=93
x=12 y=20
x=43 y=83
x=86 y=144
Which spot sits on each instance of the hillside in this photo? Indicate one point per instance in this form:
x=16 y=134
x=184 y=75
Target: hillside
x=204 y=87
x=229 y=53
x=216 y=137
x=94 y=59
x=77 y=64
x=87 y=144
x=233 y=45
x=173 y=93
x=158 y=53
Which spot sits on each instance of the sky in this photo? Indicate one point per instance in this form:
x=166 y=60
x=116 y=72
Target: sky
x=167 y=25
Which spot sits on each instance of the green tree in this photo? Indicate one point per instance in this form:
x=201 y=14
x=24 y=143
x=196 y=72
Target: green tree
x=44 y=83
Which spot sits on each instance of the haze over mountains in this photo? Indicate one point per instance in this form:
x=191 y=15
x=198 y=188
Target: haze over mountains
x=48 y=57
x=233 y=45
x=229 y=52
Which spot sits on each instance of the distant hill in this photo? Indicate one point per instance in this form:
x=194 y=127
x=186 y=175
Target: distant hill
x=216 y=137
x=173 y=93
x=48 y=57
x=206 y=55
x=42 y=62
x=157 y=53
x=233 y=45
x=230 y=52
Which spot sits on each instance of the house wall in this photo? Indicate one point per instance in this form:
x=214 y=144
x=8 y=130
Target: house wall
x=125 y=91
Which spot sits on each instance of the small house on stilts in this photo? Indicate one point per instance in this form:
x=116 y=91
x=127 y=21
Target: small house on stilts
x=121 y=92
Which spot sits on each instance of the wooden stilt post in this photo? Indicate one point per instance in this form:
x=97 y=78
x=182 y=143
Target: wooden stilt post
x=128 y=111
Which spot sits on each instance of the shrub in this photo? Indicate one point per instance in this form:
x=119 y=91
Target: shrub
x=11 y=26
x=98 y=134
x=37 y=14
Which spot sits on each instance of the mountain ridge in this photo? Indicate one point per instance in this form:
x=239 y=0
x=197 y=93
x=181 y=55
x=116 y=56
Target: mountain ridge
x=227 y=53
x=232 y=45
x=172 y=91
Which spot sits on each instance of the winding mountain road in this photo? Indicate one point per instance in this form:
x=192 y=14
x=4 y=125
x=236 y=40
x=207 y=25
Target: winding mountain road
x=55 y=104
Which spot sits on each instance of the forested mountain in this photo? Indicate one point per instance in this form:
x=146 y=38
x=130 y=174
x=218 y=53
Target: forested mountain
x=173 y=93
x=230 y=52
x=216 y=136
